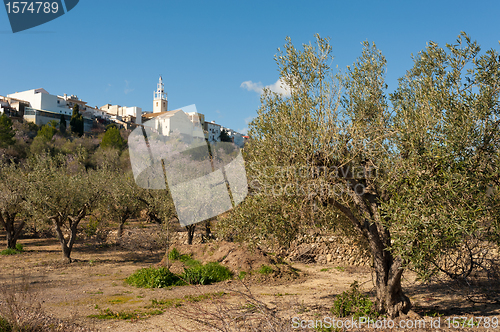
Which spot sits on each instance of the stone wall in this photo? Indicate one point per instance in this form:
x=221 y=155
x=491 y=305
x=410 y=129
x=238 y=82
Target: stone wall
x=336 y=250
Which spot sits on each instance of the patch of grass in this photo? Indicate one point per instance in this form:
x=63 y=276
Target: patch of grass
x=265 y=269
x=340 y=268
x=9 y=251
x=4 y=325
x=177 y=302
x=353 y=302
x=325 y=269
x=123 y=315
x=175 y=255
x=242 y=275
x=154 y=278
x=206 y=274
x=194 y=273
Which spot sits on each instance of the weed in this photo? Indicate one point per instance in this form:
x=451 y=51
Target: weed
x=340 y=268
x=177 y=302
x=326 y=269
x=5 y=325
x=123 y=315
x=174 y=254
x=242 y=275
x=154 y=278
x=91 y=228
x=10 y=251
x=353 y=302
x=264 y=269
x=206 y=274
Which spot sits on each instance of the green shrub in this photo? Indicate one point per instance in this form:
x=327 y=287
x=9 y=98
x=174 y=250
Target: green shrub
x=91 y=228
x=5 y=325
x=264 y=269
x=353 y=302
x=154 y=278
x=206 y=274
x=174 y=254
x=9 y=251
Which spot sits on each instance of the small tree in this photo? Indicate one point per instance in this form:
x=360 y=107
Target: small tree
x=113 y=139
x=122 y=199
x=76 y=121
x=12 y=196
x=62 y=124
x=63 y=194
x=6 y=132
x=47 y=132
x=224 y=136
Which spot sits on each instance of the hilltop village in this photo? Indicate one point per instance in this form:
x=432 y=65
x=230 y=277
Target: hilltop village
x=40 y=107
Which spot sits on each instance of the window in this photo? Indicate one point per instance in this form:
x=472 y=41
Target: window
x=156 y=103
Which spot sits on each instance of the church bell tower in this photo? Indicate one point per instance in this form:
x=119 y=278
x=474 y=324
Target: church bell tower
x=160 y=102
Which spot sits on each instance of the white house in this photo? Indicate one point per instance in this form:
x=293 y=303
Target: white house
x=166 y=123
x=123 y=111
x=236 y=137
x=212 y=131
x=44 y=107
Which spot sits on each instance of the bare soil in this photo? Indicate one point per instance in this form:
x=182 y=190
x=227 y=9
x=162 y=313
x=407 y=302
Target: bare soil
x=95 y=281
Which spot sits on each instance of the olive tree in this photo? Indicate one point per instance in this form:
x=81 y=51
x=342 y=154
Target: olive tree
x=65 y=193
x=122 y=199
x=407 y=177
x=12 y=199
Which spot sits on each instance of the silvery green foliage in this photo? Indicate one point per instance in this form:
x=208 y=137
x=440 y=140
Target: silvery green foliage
x=408 y=171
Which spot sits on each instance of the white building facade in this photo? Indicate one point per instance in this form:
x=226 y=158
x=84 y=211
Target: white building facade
x=213 y=132
x=44 y=107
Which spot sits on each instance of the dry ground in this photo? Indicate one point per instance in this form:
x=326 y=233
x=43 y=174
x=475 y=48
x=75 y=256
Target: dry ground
x=95 y=279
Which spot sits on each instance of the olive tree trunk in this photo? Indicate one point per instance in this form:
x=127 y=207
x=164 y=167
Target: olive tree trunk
x=67 y=244
x=190 y=231
x=7 y=220
x=388 y=269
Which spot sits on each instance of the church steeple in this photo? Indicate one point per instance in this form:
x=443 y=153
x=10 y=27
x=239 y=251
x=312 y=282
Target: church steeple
x=160 y=102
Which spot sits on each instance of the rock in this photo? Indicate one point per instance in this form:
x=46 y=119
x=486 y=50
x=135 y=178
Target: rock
x=329 y=258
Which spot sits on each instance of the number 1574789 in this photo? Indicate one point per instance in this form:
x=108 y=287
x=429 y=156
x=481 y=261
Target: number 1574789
x=32 y=7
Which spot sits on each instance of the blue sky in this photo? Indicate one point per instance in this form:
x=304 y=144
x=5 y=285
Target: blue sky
x=111 y=51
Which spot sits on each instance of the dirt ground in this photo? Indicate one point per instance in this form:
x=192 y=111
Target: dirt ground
x=95 y=282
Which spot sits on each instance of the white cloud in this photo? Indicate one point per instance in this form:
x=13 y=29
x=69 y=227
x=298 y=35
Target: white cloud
x=279 y=87
x=251 y=86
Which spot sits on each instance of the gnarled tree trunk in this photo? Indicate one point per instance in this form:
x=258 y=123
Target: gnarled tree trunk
x=190 y=231
x=67 y=244
x=7 y=220
x=388 y=269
